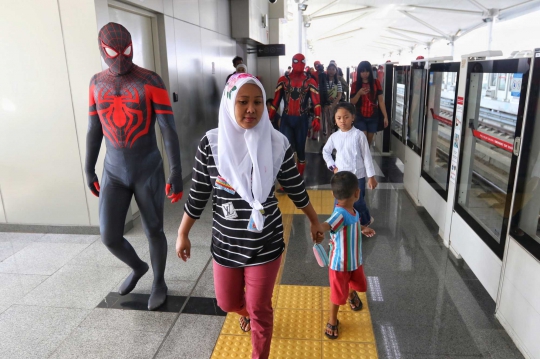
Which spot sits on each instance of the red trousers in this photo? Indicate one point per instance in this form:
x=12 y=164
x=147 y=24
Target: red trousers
x=255 y=301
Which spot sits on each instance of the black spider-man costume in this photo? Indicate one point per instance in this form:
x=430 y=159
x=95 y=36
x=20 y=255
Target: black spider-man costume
x=295 y=89
x=125 y=103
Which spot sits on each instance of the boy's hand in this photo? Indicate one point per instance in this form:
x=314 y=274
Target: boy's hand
x=368 y=232
x=372 y=183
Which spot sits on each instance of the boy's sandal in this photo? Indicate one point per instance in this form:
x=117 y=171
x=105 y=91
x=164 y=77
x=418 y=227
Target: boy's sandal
x=244 y=323
x=355 y=299
x=332 y=329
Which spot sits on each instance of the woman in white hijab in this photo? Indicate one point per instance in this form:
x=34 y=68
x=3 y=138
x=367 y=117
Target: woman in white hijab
x=239 y=162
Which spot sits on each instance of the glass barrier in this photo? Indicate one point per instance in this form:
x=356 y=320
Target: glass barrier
x=416 y=108
x=400 y=100
x=487 y=166
x=442 y=90
x=525 y=227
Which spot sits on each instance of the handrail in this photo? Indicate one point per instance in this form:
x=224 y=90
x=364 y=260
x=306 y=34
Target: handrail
x=441 y=119
x=509 y=147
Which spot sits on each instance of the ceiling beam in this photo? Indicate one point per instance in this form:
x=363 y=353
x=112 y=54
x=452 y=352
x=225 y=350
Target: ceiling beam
x=347 y=12
x=516 y=5
x=418 y=33
x=423 y=23
x=464 y=12
x=478 y=5
x=403 y=35
x=380 y=47
x=324 y=8
x=402 y=40
x=519 y=9
x=348 y=22
x=341 y=33
x=387 y=44
x=471 y=28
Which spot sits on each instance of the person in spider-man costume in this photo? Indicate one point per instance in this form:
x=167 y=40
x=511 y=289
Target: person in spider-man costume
x=125 y=103
x=295 y=89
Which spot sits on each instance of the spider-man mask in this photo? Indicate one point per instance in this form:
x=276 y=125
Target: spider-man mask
x=298 y=63
x=116 y=48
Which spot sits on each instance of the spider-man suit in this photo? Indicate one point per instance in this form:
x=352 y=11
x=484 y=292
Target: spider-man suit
x=125 y=103
x=295 y=89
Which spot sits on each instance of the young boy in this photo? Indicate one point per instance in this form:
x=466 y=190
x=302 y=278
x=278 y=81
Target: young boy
x=345 y=261
x=352 y=155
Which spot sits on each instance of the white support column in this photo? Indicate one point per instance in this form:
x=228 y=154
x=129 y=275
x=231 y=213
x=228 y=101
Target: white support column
x=300 y=32
x=493 y=15
x=490 y=33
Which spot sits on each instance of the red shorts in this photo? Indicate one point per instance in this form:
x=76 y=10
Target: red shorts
x=341 y=282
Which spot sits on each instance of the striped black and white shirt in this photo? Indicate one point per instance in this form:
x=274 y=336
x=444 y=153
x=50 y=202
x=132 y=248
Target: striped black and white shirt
x=232 y=244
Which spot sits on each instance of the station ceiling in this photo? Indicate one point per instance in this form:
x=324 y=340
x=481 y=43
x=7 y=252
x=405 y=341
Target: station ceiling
x=384 y=26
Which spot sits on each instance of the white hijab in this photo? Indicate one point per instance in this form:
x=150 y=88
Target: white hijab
x=249 y=160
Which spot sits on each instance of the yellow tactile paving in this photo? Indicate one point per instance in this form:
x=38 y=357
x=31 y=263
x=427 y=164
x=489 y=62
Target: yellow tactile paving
x=301 y=313
x=297 y=349
x=297 y=324
x=353 y=327
x=299 y=297
x=344 y=350
x=232 y=346
x=346 y=307
x=232 y=326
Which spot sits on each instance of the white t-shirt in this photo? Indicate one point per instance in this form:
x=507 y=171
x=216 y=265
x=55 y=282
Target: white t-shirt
x=352 y=155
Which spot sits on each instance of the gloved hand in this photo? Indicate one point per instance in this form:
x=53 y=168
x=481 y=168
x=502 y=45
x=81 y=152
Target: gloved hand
x=315 y=124
x=93 y=184
x=170 y=192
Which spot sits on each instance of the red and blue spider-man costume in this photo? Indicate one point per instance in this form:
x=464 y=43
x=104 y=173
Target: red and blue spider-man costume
x=125 y=103
x=295 y=89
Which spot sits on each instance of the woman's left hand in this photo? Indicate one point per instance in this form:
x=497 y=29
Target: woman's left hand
x=385 y=122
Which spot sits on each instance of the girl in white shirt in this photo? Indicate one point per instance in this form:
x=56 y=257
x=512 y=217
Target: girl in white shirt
x=352 y=155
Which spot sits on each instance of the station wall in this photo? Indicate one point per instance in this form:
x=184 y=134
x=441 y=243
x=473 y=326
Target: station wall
x=44 y=98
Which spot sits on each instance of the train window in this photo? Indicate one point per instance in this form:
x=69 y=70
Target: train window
x=487 y=166
x=439 y=125
x=416 y=108
x=502 y=82
x=493 y=80
x=525 y=226
x=400 y=100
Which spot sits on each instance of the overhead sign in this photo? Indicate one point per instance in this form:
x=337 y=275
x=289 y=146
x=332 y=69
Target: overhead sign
x=270 y=50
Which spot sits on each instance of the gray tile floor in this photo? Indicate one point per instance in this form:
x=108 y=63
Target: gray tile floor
x=423 y=302
x=50 y=285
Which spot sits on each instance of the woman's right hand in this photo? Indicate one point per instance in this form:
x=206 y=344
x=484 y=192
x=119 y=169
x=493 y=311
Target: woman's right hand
x=183 y=247
x=363 y=91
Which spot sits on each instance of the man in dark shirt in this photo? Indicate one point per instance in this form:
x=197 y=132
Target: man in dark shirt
x=236 y=61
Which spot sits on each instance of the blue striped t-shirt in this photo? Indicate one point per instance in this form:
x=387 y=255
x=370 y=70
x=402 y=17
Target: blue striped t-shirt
x=346 y=240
